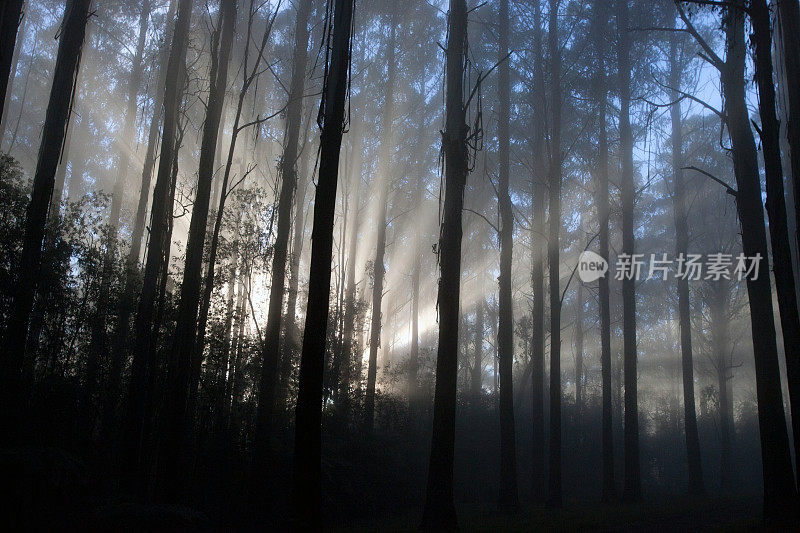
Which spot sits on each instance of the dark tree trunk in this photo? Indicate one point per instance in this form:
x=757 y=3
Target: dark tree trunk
x=788 y=22
x=609 y=484
x=55 y=125
x=538 y=239
x=508 y=497
x=292 y=329
x=10 y=17
x=720 y=317
x=776 y=209
x=306 y=483
x=208 y=286
x=20 y=36
x=440 y=512
x=682 y=249
x=379 y=269
x=633 y=482
x=128 y=133
x=288 y=169
x=136 y=415
x=476 y=379
x=554 y=498
x=119 y=345
x=780 y=495
x=182 y=371
x=350 y=298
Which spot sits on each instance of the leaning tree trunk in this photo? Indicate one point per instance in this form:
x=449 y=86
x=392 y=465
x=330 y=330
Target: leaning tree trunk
x=135 y=417
x=682 y=249
x=180 y=367
x=538 y=193
x=508 y=497
x=440 y=512
x=9 y=24
x=633 y=482
x=70 y=45
x=776 y=210
x=779 y=489
x=306 y=484
x=554 y=498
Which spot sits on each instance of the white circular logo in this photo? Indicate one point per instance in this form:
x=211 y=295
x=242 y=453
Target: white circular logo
x=591 y=266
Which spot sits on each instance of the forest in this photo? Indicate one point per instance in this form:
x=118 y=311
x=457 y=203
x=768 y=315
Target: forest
x=377 y=265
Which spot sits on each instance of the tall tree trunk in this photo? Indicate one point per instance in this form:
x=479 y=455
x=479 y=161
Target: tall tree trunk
x=682 y=249
x=119 y=345
x=776 y=210
x=609 y=484
x=508 y=497
x=350 y=297
x=476 y=378
x=554 y=498
x=633 y=482
x=720 y=318
x=208 y=287
x=789 y=22
x=136 y=415
x=538 y=239
x=440 y=512
x=20 y=36
x=10 y=17
x=128 y=129
x=384 y=185
x=579 y=311
x=180 y=367
x=779 y=491
x=306 y=483
x=70 y=45
x=288 y=169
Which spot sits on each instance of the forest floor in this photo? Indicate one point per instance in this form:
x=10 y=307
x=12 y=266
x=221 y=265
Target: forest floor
x=672 y=514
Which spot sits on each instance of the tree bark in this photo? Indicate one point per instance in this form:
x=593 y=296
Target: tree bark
x=306 y=483
x=440 y=513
